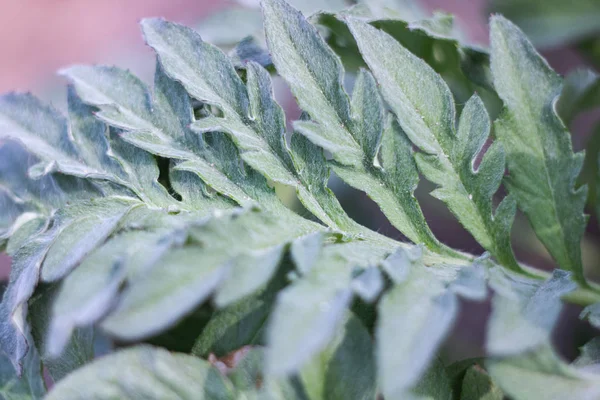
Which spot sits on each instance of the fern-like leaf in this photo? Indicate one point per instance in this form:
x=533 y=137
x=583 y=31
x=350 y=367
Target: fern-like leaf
x=522 y=360
x=428 y=118
x=149 y=212
x=250 y=114
x=541 y=162
x=162 y=370
x=351 y=133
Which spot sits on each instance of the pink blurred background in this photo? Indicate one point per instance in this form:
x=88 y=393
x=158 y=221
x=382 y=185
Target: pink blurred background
x=40 y=36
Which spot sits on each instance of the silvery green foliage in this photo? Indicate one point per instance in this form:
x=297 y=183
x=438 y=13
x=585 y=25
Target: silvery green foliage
x=541 y=162
x=428 y=117
x=149 y=206
x=522 y=360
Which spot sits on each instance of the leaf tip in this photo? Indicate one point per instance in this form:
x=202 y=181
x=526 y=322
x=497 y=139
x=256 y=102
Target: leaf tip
x=152 y=23
x=152 y=27
x=273 y=4
x=499 y=25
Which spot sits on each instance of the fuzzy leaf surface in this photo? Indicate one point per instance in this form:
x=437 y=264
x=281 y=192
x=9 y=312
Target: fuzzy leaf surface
x=28 y=386
x=351 y=131
x=541 y=162
x=543 y=375
x=477 y=385
x=524 y=365
x=414 y=329
x=428 y=117
x=309 y=312
x=146 y=372
x=157 y=123
x=161 y=296
x=251 y=116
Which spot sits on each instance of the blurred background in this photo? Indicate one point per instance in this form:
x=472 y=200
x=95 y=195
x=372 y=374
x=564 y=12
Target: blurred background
x=38 y=37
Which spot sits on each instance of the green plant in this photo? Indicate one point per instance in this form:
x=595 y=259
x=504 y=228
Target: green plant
x=147 y=222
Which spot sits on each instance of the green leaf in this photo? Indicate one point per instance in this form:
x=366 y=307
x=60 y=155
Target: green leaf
x=142 y=170
x=524 y=311
x=436 y=40
x=164 y=296
x=440 y=25
x=88 y=293
x=414 y=318
x=26 y=226
x=248 y=372
x=249 y=380
x=345 y=369
x=28 y=386
x=522 y=361
x=129 y=212
x=81 y=151
x=242 y=323
x=351 y=132
x=213 y=80
x=145 y=372
x=427 y=116
x=433 y=385
x=82 y=229
x=304 y=322
x=309 y=312
x=305 y=251
x=85 y=150
x=194 y=193
x=541 y=162
x=251 y=116
x=53 y=248
x=78 y=351
x=157 y=123
x=589 y=359
x=471 y=282
x=542 y=375
x=367 y=111
x=158 y=297
x=11 y=210
x=247 y=273
x=477 y=385
x=456 y=373
x=24 y=276
x=314 y=74
x=591 y=314
x=314 y=172
x=369 y=284
x=125 y=102
x=90 y=138
x=19 y=204
x=46 y=135
x=249 y=50
x=41 y=198
x=391 y=184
